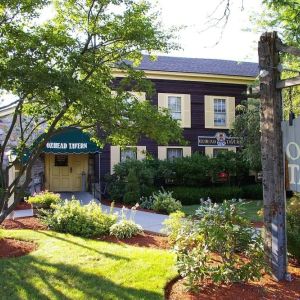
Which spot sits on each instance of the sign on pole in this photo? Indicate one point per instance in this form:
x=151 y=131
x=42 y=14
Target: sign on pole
x=291 y=145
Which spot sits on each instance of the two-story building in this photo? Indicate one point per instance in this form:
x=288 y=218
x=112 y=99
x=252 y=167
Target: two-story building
x=200 y=93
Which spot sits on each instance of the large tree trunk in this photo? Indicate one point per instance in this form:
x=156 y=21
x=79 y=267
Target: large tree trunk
x=272 y=157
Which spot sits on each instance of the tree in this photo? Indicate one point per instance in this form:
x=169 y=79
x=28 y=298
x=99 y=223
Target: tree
x=283 y=16
x=61 y=73
x=247 y=128
x=132 y=194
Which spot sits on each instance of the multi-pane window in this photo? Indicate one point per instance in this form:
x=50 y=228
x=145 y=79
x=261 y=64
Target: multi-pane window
x=174 y=106
x=216 y=151
x=174 y=153
x=128 y=153
x=219 y=112
x=61 y=160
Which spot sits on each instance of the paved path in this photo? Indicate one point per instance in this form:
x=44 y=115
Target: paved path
x=148 y=221
x=20 y=214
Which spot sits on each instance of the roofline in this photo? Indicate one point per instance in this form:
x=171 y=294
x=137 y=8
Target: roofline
x=185 y=76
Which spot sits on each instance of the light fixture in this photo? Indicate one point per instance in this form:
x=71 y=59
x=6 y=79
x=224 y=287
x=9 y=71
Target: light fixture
x=263 y=73
x=11 y=156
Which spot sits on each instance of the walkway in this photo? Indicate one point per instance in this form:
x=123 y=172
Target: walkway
x=149 y=221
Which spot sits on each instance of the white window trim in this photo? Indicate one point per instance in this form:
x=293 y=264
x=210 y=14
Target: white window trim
x=162 y=151
x=209 y=113
x=115 y=155
x=186 y=115
x=209 y=151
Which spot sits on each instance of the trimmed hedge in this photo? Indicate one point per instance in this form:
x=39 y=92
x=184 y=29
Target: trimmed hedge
x=253 y=191
x=192 y=195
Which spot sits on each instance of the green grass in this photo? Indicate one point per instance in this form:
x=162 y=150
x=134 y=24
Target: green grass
x=68 y=267
x=249 y=209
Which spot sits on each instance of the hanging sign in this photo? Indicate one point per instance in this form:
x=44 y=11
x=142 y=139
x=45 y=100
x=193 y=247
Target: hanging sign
x=291 y=146
x=220 y=139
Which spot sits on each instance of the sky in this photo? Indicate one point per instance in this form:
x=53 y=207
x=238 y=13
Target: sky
x=237 y=42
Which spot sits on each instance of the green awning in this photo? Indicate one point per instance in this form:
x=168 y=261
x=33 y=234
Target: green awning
x=71 y=141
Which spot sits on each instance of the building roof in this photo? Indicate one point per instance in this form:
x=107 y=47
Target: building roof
x=199 y=65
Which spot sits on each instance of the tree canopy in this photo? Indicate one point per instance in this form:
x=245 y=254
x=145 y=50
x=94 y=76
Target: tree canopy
x=61 y=71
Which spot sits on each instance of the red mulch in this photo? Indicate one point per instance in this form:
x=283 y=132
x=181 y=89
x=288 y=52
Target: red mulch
x=145 y=239
x=120 y=205
x=266 y=288
x=258 y=224
x=15 y=248
x=23 y=223
x=23 y=205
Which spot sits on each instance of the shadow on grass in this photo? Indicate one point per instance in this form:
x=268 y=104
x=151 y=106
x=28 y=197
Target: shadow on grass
x=31 y=278
x=109 y=255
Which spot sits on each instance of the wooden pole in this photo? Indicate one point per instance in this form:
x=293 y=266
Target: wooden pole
x=272 y=156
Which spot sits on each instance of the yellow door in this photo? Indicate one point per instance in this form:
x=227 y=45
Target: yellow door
x=64 y=172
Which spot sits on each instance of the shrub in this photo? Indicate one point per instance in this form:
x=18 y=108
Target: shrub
x=173 y=225
x=72 y=217
x=218 y=244
x=146 y=202
x=191 y=195
x=132 y=188
x=44 y=199
x=144 y=171
x=126 y=228
x=165 y=203
x=253 y=191
x=293 y=227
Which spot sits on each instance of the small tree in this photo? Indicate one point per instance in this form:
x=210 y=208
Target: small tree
x=247 y=128
x=132 y=194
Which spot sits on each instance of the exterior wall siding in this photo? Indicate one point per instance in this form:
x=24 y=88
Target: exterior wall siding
x=197 y=90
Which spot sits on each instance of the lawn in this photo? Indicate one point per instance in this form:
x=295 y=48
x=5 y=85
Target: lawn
x=68 y=267
x=249 y=209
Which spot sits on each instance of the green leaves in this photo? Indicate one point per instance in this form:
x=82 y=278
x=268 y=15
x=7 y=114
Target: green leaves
x=218 y=244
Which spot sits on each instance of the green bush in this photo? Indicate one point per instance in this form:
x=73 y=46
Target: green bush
x=173 y=225
x=191 y=195
x=72 y=217
x=44 y=199
x=146 y=202
x=165 y=203
x=144 y=171
x=218 y=244
x=132 y=189
x=253 y=191
x=293 y=227
x=125 y=229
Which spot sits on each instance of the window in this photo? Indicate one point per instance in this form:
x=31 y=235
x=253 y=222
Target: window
x=128 y=153
x=61 y=160
x=174 y=105
x=219 y=112
x=174 y=153
x=216 y=151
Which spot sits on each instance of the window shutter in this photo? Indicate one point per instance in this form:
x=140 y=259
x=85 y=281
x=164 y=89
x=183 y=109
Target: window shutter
x=209 y=111
x=186 y=111
x=114 y=157
x=162 y=100
x=231 y=111
x=141 y=152
x=187 y=151
x=162 y=152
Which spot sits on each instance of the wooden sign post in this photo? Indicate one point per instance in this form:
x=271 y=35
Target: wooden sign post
x=272 y=156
